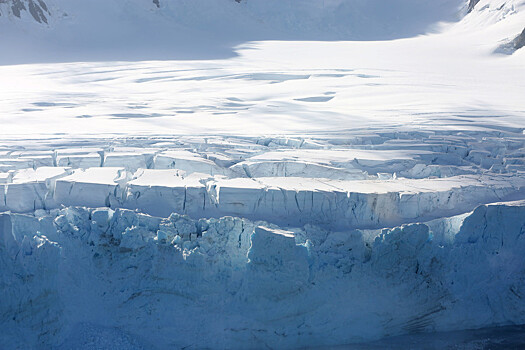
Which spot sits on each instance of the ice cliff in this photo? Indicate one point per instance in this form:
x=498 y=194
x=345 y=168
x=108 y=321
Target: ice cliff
x=279 y=242
x=252 y=284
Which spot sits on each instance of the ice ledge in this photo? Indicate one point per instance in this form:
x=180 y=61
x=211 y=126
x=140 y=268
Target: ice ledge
x=287 y=201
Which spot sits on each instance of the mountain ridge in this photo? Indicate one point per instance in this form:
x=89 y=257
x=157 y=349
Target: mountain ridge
x=34 y=30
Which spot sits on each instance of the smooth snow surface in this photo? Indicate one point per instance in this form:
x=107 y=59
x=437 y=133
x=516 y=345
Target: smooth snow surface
x=261 y=174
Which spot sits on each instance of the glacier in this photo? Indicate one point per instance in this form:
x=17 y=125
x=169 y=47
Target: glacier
x=247 y=174
x=251 y=282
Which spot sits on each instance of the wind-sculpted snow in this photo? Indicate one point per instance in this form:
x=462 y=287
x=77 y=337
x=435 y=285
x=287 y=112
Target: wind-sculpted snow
x=235 y=283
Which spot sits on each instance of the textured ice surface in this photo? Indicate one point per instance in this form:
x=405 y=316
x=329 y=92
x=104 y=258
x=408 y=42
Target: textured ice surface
x=343 y=186
x=246 y=282
x=309 y=259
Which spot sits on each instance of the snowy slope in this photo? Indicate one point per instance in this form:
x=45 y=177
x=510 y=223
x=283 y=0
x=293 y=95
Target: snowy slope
x=247 y=174
x=141 y=29
x=273 y=86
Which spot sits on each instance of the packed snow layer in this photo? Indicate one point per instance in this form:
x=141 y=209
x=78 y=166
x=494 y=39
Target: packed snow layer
x=235 y=283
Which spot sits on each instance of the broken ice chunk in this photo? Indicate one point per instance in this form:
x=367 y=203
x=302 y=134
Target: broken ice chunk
x=79 y=160
x=187 y=161
x=93 y=187
x=278 y=267
x=29 y=188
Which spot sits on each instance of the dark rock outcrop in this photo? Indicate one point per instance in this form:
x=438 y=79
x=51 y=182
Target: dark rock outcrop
x=511 y=46
x=472 y=4
x=519 y=42
x=37 y=8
